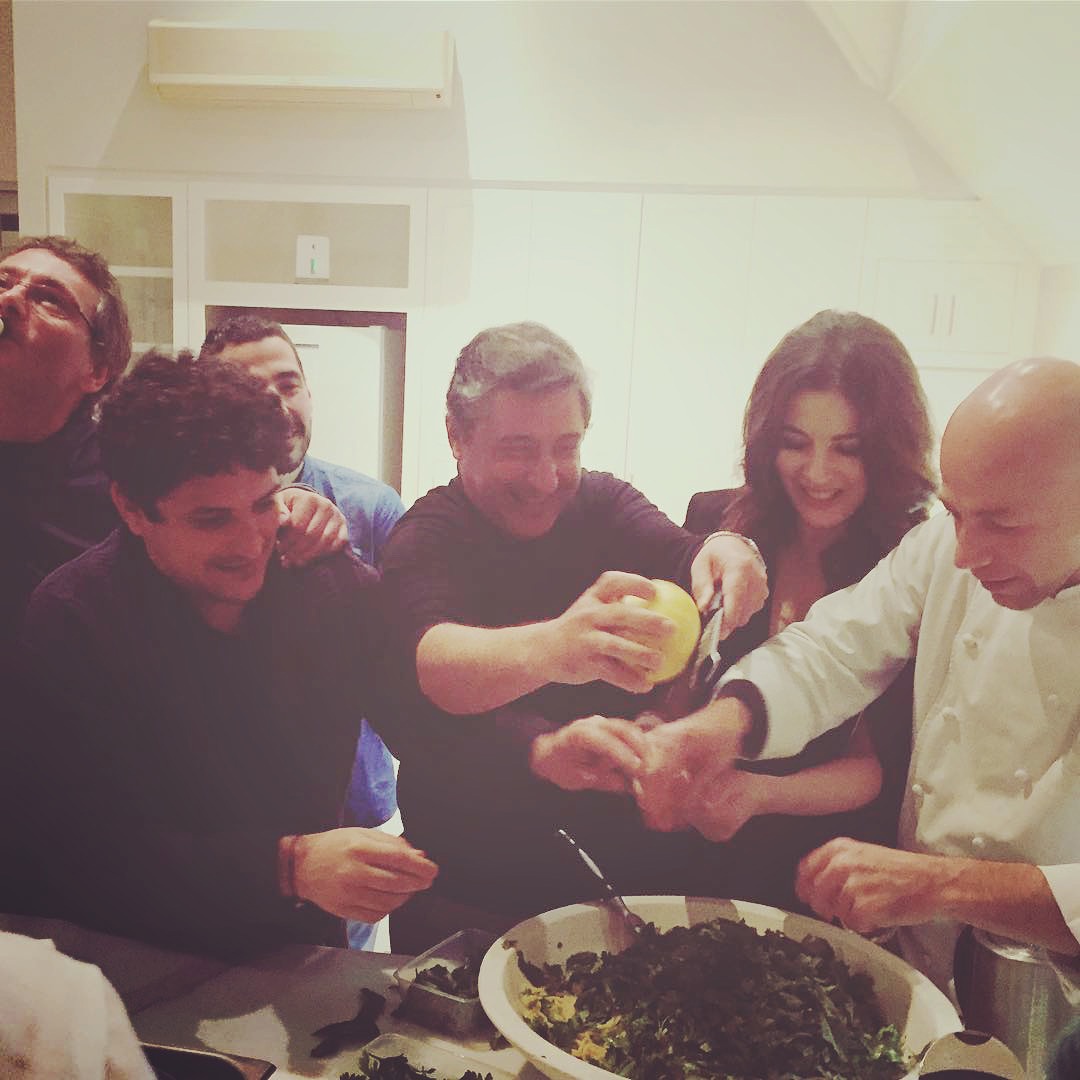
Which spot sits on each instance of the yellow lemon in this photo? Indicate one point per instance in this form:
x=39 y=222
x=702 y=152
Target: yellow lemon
x=678 y=605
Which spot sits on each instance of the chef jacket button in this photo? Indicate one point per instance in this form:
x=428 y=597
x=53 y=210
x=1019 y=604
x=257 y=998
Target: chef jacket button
x=949 y=716
x=1053 y=701
x=918 y=790
x=1023 y=778
x=971 y=644
x=978 y=842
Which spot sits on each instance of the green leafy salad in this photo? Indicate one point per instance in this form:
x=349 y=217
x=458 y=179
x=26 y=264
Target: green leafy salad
x=720 y=1001
x=399 y=1068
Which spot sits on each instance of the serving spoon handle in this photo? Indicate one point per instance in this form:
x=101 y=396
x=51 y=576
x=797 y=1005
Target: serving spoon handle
x=635 y=922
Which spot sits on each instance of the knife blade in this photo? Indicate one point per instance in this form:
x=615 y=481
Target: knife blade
x=707 y=654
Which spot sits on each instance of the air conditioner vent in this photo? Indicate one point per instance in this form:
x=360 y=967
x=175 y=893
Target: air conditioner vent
x=212 y=63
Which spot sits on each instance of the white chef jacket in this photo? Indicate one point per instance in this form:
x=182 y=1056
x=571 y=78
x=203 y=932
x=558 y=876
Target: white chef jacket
x=995 y=765
x=61 y=1019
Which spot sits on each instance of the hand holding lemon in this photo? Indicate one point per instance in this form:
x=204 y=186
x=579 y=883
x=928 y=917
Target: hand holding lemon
x=624 y=630
x=677 y=605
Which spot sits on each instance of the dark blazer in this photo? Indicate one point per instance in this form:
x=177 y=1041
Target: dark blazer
x=705 y=511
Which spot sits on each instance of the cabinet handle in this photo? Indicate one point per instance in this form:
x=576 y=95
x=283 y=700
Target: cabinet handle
x=933 y=315
x=952 y=312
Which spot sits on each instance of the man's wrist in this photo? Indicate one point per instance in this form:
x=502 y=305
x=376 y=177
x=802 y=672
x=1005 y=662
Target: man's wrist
x=738 y=536
x=757 y=729
x=286 y=866
x=290 y=860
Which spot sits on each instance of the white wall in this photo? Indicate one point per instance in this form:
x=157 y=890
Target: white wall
x=1057 y=331
x=578 y=113
x=731 y=95
x=7 y=99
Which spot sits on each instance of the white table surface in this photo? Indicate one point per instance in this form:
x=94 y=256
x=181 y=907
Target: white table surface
x=264 y=1008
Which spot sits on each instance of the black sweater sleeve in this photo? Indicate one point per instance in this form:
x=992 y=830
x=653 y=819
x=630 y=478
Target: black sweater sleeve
x=112 y=832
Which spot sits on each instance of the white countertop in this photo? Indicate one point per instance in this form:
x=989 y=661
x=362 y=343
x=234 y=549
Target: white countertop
x=262 y=1009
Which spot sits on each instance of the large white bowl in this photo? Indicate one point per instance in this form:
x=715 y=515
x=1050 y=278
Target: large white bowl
x=908 y=999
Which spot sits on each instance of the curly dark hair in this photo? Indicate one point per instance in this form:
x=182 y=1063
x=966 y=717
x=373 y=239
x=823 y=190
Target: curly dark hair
x=111 y=334
x=243 y=330
x=868 y=364
x=522 y=356
x=170 y=419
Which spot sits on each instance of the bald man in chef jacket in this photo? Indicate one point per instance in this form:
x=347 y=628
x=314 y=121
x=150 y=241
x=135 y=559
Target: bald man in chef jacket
x=987 y=600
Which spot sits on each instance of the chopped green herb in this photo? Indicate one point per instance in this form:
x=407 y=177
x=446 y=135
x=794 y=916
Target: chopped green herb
x=724 y=1002
x=460 y=981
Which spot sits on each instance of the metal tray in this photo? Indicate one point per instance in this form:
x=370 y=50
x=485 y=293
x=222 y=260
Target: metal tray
x=181 y=1063
x=436 y=1009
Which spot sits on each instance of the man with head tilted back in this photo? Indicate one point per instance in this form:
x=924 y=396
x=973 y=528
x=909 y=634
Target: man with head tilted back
x=65 y=337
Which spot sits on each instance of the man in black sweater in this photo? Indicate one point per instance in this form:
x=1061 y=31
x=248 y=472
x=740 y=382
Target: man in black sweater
x=504 y=610
x=197 y=704
x=65 y=337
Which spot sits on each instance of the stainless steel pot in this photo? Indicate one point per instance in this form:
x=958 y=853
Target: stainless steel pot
x=1012 y=992
x=967 y=1055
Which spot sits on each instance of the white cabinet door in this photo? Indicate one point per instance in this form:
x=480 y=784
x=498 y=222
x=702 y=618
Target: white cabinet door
x=343 y=366
x=477 y=276
x=953 y=283
x=721 y=280
x=807 y=256
x=945 y=388
x=582 y=277
x=245 y=242
x=689 y=379
x=140 y=227
x=955 y=309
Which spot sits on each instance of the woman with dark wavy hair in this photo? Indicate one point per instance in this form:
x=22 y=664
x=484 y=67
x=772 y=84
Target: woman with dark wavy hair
x=837 y=467
x=864 y=363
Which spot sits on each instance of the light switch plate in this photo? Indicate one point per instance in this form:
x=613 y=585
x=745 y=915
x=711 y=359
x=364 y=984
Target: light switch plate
x=313 y=257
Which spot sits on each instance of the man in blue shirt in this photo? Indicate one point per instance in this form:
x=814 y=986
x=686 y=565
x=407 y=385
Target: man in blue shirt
x=371 y=509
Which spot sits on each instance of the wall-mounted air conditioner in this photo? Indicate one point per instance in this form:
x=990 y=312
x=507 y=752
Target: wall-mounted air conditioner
x=211 y=63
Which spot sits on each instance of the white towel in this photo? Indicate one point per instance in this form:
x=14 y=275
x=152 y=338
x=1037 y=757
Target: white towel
x=61 y=1019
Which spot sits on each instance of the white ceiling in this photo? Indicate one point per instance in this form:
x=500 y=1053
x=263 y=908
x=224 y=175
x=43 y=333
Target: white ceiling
x=994 y=87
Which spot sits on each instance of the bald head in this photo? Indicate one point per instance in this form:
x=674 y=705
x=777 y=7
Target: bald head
x=1010 y=469
x=1028 y=411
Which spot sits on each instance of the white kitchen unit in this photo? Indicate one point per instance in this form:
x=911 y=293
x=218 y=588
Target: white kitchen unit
x=582 y=283
x=673 y=300
x=953 y=283
x=244 y=247
x=566 y=259
x=721 y=279
x=140 y=226
x=477 y=276
x=689 y=378
x=343 y=366
x=807 y=256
